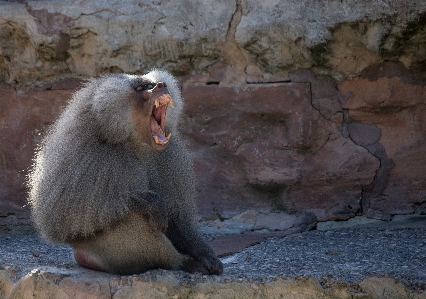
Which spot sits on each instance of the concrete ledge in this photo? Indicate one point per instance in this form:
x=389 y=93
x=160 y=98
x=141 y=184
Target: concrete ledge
x=59 y=283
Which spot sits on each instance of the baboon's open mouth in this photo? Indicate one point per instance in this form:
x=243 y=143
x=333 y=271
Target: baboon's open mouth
x=158 y=118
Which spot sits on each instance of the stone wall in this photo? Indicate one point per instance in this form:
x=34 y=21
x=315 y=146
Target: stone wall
x=295 y=106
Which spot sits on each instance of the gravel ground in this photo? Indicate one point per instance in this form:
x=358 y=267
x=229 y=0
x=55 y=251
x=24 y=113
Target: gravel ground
x=346 y=255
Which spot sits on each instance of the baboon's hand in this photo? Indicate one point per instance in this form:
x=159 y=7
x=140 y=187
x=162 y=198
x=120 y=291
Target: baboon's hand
x=212 y=263
x=154 y=207
x=158 y=220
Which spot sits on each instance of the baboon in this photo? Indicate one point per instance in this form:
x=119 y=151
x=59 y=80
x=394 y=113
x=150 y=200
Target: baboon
x=112 y=178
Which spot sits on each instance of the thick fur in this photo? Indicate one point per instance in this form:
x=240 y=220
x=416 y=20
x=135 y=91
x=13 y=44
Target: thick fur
x=94 y=175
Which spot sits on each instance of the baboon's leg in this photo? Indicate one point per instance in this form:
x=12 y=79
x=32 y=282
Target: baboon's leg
x=132 y=246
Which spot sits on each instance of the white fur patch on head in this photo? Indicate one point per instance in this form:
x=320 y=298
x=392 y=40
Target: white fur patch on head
x=111 y=105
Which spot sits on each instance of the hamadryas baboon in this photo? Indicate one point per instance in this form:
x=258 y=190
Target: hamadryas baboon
x=113 y=179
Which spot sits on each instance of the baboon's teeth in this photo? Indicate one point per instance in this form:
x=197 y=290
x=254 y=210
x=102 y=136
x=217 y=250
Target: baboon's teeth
x=157 y=141
x=157 y=102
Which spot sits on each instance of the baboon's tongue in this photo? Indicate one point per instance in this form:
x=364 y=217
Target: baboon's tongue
x=156 y=131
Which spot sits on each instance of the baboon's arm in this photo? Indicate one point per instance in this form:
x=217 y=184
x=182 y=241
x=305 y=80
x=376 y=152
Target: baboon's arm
x=151 y=205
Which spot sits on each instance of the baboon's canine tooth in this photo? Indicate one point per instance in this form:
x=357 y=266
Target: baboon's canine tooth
x=168 y=136
x=171 y=103
x=156 y=139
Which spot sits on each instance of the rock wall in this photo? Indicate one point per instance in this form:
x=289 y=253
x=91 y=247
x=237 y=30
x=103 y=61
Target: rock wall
x=314 y=107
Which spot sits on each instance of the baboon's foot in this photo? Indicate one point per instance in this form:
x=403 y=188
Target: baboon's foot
x=88 y=260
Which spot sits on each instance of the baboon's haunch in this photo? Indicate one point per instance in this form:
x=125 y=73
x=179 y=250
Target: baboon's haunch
x=113 y=179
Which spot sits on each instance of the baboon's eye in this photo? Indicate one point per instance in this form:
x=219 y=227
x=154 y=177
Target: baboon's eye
x=142 y=87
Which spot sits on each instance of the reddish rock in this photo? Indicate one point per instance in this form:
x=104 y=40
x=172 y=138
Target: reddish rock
x=325 y=96
x=306 y=146
x=24 y=115
x=332 y=181
x=386 y=115
x=266 y=143
x=364 y=134
x=275 y=221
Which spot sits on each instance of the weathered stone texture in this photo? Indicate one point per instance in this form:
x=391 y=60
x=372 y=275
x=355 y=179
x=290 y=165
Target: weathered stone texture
x=24 y=115
x=259 y=40
x=387 y=117
x=341 y=38
x=41 y=39
x=270 y=138
x=51 y=284
x=290 y=104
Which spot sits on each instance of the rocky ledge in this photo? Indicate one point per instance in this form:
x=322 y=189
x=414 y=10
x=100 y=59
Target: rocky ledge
x=361 y=258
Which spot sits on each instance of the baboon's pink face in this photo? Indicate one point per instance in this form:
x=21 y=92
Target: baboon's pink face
x=152 y=101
